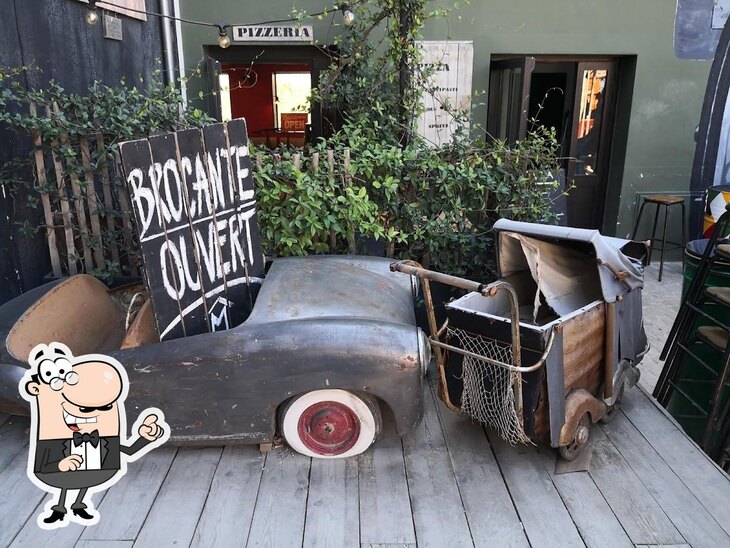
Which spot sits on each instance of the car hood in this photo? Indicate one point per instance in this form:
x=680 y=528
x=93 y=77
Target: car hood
x=300 y=288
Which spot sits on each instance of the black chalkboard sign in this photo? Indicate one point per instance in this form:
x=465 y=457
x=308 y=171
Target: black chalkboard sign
x=193 y=199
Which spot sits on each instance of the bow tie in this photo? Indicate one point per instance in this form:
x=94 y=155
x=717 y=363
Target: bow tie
x=92 y=438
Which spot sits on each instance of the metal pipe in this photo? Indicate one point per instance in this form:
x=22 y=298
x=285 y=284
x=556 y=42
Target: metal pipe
x=507 y=366
x=180 y=52
x=609 y=352
x=169 y=60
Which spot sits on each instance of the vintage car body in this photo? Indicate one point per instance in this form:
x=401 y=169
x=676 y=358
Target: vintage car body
x=318 y=323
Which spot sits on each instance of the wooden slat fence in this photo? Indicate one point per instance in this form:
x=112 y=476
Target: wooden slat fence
x=336 y=167
x=86 y=208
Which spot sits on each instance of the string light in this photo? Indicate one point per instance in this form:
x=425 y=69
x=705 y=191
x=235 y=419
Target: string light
x=347 y=15
x=91 y=16
x=223 y=40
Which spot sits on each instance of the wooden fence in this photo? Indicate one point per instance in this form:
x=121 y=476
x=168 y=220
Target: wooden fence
x=86 y=208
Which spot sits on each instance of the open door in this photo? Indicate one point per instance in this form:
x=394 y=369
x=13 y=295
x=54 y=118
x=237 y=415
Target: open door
x=590 y=144
x=509 y=98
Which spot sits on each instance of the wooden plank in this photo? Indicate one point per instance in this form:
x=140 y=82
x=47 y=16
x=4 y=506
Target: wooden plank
x=278 y=518
x=663 y=546
x=78 y=201
x=94 y=205
x=106 y=187
x=32 y=536
x=640 y=515
x=438 y=512
x=153 y=209
x=137 y=490
x=583 y=342
x=13 y=439
x=702 y=476
x=65 y=211
x=227 y=514
x=178 y=505
x=385 y=507
x=596 y=522
x=686 y=512
x=40 y=164
x=546 y=520
x=333 y=514
x=127 y=229
x=489 y=510
x=21 y=498
x=104 y=544
x=390 y=545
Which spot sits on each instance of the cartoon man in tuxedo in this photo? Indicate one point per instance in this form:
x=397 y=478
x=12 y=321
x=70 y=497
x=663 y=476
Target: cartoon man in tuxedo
x=78 y=428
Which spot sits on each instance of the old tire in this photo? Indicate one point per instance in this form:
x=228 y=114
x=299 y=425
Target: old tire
x=612 y=411
x=580 y=439
x=331 y=423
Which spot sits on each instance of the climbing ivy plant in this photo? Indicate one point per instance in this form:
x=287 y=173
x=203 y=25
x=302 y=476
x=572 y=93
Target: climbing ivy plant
x=61 y=120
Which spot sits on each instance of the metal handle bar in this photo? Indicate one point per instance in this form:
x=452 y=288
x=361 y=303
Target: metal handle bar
x=507 y=366
x=488 y=290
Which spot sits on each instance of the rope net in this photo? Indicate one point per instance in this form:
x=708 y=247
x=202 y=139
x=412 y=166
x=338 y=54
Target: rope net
x=488 y=395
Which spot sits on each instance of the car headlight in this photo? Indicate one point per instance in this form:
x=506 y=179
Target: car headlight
x=424 y=351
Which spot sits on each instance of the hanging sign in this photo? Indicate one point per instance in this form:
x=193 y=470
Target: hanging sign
x=193 y=199
x=273 y=33
x=294 y=121
x=450 y=65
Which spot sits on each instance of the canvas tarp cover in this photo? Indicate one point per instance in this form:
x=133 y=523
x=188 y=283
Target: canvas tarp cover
x=565 y=251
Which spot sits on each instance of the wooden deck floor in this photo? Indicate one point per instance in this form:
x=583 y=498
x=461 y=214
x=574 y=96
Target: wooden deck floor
x=449 y=484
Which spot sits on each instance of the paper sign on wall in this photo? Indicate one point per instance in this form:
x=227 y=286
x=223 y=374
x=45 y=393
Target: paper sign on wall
x=451 y=63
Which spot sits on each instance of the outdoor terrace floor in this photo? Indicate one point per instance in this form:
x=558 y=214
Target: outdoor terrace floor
x=448 y=484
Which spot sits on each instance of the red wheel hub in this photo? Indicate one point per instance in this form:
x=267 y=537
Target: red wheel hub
x=328 y=428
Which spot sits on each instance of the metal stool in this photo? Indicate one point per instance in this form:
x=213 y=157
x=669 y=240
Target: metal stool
x=666 y=201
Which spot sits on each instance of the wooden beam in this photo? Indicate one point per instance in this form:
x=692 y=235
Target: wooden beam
x=45 y=200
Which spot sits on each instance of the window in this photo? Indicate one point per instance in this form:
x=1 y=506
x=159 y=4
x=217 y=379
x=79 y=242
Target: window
x=291 y=91
x=118 y=6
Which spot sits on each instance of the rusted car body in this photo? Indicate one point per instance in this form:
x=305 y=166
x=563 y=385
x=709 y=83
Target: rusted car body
x=318 y=323
x=547 y=349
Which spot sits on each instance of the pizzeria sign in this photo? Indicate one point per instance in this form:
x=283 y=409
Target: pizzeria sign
x=273 y=33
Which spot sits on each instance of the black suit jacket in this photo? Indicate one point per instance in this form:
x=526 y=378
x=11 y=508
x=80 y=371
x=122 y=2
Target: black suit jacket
x=48 y=453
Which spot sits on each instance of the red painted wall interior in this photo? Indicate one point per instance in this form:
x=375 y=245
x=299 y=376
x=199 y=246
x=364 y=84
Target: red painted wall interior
x=252 y=92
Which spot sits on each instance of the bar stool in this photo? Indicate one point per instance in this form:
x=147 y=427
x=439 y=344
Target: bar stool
x=667 y=201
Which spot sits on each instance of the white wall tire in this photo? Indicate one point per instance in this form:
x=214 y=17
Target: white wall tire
x=331 y=424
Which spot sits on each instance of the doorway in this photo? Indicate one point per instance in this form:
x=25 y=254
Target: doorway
x=576 y=96
x=268 y=85
x=273 y=100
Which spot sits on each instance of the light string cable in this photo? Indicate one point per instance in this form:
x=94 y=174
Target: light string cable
x=344 y=8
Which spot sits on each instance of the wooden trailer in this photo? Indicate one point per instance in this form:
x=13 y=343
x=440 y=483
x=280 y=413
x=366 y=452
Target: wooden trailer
x=547 y=349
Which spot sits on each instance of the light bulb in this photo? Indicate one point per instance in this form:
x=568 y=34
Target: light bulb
x=347 y=15
x=224 y=41
x=91 y=17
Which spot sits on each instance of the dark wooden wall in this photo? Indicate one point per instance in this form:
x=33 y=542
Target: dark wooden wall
x=53 y=35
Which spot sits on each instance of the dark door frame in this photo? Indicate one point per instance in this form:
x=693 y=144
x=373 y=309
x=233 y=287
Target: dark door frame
x=617 y=133
x=317 y=59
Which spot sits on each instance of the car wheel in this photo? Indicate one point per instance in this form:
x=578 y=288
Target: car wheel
x=331 y=423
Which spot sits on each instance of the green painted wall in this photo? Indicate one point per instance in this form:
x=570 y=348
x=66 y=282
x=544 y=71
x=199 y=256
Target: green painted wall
x=667 y=92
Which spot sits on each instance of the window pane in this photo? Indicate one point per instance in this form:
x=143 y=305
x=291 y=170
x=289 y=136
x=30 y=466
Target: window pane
x=590 y=119
x=292 y=90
